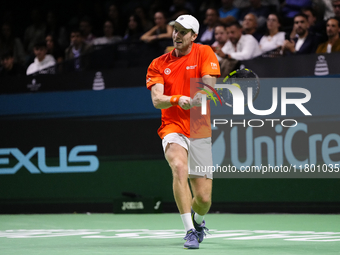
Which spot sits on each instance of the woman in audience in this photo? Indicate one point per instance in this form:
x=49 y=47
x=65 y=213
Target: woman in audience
x=109 y=36
x=273 y=39
x=160 y=31
x=145 y=22
x=135 y=29
x=54 y=49
x=114 y=14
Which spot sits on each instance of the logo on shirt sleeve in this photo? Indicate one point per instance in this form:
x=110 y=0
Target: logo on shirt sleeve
x=167 y=71
x=213 y=65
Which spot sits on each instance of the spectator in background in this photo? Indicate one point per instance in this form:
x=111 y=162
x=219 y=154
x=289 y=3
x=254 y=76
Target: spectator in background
x=9 y=67
x=336 y=8
x=315 y=28
x=293 y=7
x=42 y=59
x=238 y=47
x=117 y=20
x=85 y=27
x=290 y=8
x=98 y=16
x=333 y=43
x=157 y=5
x=206 y=35
x=77 y=49
x=221 y=38
x=180 y=7
x=109 y=36
x=305 y=43
x=54 y=49
x=227 y=11
x=35 y=32
x=249 y=26
x=273 y=38
x=8 y=42
x=325 y=7
x=78 y=11
x=260 y=11
x=160 y=31
x=202 y=7
x=311 y=17
x=146 y=24
x=57 y=31
x=135 y=29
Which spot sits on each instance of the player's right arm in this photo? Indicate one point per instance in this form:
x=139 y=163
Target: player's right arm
x=161 y=101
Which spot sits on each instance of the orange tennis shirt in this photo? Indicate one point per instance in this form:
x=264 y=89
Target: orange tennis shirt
x=175 y=74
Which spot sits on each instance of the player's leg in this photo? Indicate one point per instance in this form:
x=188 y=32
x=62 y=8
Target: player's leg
x=201 y=189
x=201 y=202
x=177 y=157
x=200 y=162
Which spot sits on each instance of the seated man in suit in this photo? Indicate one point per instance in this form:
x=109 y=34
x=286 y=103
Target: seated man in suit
x=207 y=36
x=249 y=26
x=333 y=42
x=305 y=43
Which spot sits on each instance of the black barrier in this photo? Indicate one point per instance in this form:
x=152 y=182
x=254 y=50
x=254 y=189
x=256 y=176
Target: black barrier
x=108 y=66
x=124 y=65
x=308 y=65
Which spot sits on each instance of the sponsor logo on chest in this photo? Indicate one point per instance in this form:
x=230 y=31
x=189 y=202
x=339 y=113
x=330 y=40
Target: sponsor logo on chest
x=191 y=67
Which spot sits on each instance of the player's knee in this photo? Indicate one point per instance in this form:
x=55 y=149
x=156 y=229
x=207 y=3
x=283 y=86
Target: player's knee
x=179 y=169
x=203 y=199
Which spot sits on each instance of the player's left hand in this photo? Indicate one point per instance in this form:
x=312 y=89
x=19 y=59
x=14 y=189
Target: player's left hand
x=197 y=100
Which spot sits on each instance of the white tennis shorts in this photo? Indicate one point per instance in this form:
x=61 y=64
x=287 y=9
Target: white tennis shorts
x=199 y=153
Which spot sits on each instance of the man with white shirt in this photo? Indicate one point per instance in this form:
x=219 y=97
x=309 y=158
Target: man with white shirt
x=42 y=60
x=305 y=43
x=239 y=47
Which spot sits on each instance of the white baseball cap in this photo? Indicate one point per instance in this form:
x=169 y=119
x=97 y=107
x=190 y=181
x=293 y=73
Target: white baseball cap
x=188 y=22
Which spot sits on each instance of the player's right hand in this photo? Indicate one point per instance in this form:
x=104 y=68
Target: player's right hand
x=184 y=102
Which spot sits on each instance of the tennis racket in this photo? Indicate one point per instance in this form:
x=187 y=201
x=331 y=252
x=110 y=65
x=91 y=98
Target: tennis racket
x=243 y=79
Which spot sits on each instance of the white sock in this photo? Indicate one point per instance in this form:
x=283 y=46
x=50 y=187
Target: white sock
x=198 y=218
x=187 y=221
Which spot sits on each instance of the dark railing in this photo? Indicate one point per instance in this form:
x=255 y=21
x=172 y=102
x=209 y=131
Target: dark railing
x=125 y=65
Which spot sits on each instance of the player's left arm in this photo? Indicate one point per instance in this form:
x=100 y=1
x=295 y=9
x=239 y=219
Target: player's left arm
x=210 y=71
x=209 y=79
x=206 y=79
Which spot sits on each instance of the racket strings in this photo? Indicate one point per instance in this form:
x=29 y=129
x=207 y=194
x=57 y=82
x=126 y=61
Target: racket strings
x=243 y=79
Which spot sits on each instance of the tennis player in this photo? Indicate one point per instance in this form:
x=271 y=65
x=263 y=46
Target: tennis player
x=186 y=142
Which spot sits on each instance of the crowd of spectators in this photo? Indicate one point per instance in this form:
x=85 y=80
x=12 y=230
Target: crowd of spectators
x=236 y=30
